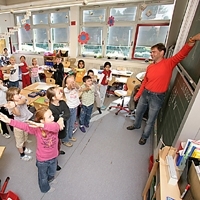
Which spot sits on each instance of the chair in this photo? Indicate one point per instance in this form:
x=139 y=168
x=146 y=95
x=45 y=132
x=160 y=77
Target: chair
x=38 y=105
x=131 y=83
x=47 y=73
x=109 y=91
x=50 y=80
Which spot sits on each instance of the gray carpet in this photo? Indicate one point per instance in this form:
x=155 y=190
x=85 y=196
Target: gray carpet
x=105 y=163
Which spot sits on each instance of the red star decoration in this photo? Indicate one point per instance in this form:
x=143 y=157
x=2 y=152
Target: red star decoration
x=83 y=37
x=111 y=21
x=27 y=27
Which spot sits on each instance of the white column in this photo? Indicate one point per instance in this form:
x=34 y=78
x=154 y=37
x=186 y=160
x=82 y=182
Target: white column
x=186 y=24
x=74 y=31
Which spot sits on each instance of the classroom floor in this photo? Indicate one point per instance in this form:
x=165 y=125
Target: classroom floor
x=105 y=163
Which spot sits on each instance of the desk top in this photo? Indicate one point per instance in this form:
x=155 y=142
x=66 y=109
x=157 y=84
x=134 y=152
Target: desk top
x=42 y=67
x=167 y=190
x=2 y=148
x=30 y=99
x=39 y=86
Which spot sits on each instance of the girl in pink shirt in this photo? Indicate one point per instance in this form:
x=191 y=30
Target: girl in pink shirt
x=34 y=71
x=46 y=133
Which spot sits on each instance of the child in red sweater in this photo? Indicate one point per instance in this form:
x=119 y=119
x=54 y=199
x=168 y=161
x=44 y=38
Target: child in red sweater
x=25 y=72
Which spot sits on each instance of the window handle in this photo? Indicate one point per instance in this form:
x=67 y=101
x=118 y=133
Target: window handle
x=49 y=41
x=102 y=42
x=131 y=43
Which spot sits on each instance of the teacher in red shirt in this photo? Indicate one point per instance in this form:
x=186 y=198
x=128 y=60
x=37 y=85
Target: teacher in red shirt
x=156 y=81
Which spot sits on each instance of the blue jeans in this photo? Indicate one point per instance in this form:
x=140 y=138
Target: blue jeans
x=85 y=115
x=152 y=101
x=46 y=172
x=13 y=84
x=70 y=124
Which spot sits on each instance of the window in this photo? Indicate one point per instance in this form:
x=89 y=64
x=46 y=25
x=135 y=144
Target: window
x=26 y=39
x=59 y=17
x=93 y=47
x=97 y=15
x=40 y=19
x=60 y=38
x=158 y=12
x=41 y=39
x=49 y=31
x=119 y=41
x=123 y=14
x=147 y=36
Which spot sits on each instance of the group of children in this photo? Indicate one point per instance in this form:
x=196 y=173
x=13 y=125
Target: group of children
x=53 y=126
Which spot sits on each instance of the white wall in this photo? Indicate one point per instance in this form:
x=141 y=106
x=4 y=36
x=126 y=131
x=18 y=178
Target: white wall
x=6 y=20
x=74 y=31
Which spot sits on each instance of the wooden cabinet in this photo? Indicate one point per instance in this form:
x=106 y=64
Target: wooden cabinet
x=49 y=60
x=2 y=45
x=160 y=173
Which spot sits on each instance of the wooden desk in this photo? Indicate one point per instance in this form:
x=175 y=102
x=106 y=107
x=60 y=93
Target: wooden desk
x=30 y=99
x=39 y=86
x=41 y=69
x=2 y=148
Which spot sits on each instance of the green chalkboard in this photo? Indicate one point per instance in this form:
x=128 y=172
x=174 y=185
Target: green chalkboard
x=192 y=62
x=171 y=115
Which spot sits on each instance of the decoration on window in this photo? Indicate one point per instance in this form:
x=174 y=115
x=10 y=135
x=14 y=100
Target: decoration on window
x=111 y=21
x=27 y=27
x=148 y=13
x=83 y=38
x=143 y=6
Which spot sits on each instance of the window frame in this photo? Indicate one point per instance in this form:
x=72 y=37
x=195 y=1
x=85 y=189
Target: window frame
x=136 y=36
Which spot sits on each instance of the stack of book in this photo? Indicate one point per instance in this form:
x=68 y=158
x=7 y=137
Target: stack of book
x=190 y=149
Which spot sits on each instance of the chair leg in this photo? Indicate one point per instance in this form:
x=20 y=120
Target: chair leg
x=120 y=107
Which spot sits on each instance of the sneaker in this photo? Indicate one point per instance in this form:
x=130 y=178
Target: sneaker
x=6 y=135
x=28 y=150
x=73 y=139
x=51 y=189
x=61 y=152
x=68 y=144
x=74 y=130
x=142 y=141
x=58 y=168
x=130 y=128
x=103 y=107
x=82 y=128
x=53 y=181
x=26 y=158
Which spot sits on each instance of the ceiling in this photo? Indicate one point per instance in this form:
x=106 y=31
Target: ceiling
x=15 y=6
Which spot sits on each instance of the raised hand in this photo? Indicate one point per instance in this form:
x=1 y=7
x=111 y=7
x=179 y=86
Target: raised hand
x=10 y=105
x=4 y=118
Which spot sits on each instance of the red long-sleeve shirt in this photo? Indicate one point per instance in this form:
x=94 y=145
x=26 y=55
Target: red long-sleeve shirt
x=158 y=75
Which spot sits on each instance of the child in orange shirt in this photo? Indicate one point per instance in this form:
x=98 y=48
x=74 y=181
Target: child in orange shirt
x=80 y=72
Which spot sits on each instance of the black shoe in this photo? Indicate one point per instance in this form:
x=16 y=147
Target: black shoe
x=61 y=152
x=99 y=109
x=142 y=141
x=131 y=128
x=58 y=168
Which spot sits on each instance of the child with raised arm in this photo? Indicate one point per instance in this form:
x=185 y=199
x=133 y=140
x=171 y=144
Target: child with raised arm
x=14 y=72
x=71 y=91
x=26 y=80
x=103 y=82
x=60 y=111
x=3 y=101
x=87 y=99
x=58 y=70
x=46 y=133
x=16 y=104
x=97 y=92
x=80 y=71
x=34 y=71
